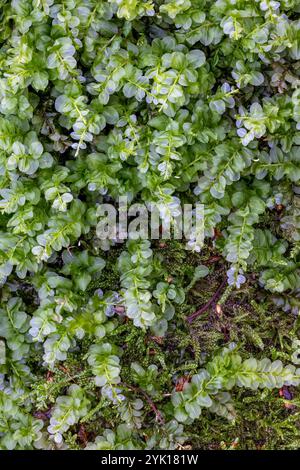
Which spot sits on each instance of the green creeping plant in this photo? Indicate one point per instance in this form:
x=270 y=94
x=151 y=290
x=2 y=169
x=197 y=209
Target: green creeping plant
x=165 y=102
x=208 y=388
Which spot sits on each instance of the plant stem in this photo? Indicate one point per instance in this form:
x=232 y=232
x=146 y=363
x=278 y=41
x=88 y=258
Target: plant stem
x=203 y=309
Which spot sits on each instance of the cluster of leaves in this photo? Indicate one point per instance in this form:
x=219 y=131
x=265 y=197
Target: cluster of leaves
x=154 y=100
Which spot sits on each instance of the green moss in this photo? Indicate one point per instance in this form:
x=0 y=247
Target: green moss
x=248 y=317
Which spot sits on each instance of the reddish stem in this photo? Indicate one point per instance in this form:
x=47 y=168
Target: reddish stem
x=158 y=415
x=203 y=309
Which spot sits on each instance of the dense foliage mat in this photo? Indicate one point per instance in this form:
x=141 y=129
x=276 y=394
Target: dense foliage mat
x=140 y=344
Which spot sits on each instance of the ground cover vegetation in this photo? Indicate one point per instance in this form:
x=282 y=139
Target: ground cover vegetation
x=145 y=344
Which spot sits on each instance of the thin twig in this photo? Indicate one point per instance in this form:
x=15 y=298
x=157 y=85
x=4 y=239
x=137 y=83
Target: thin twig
x=158 y=415
x=203 y=309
